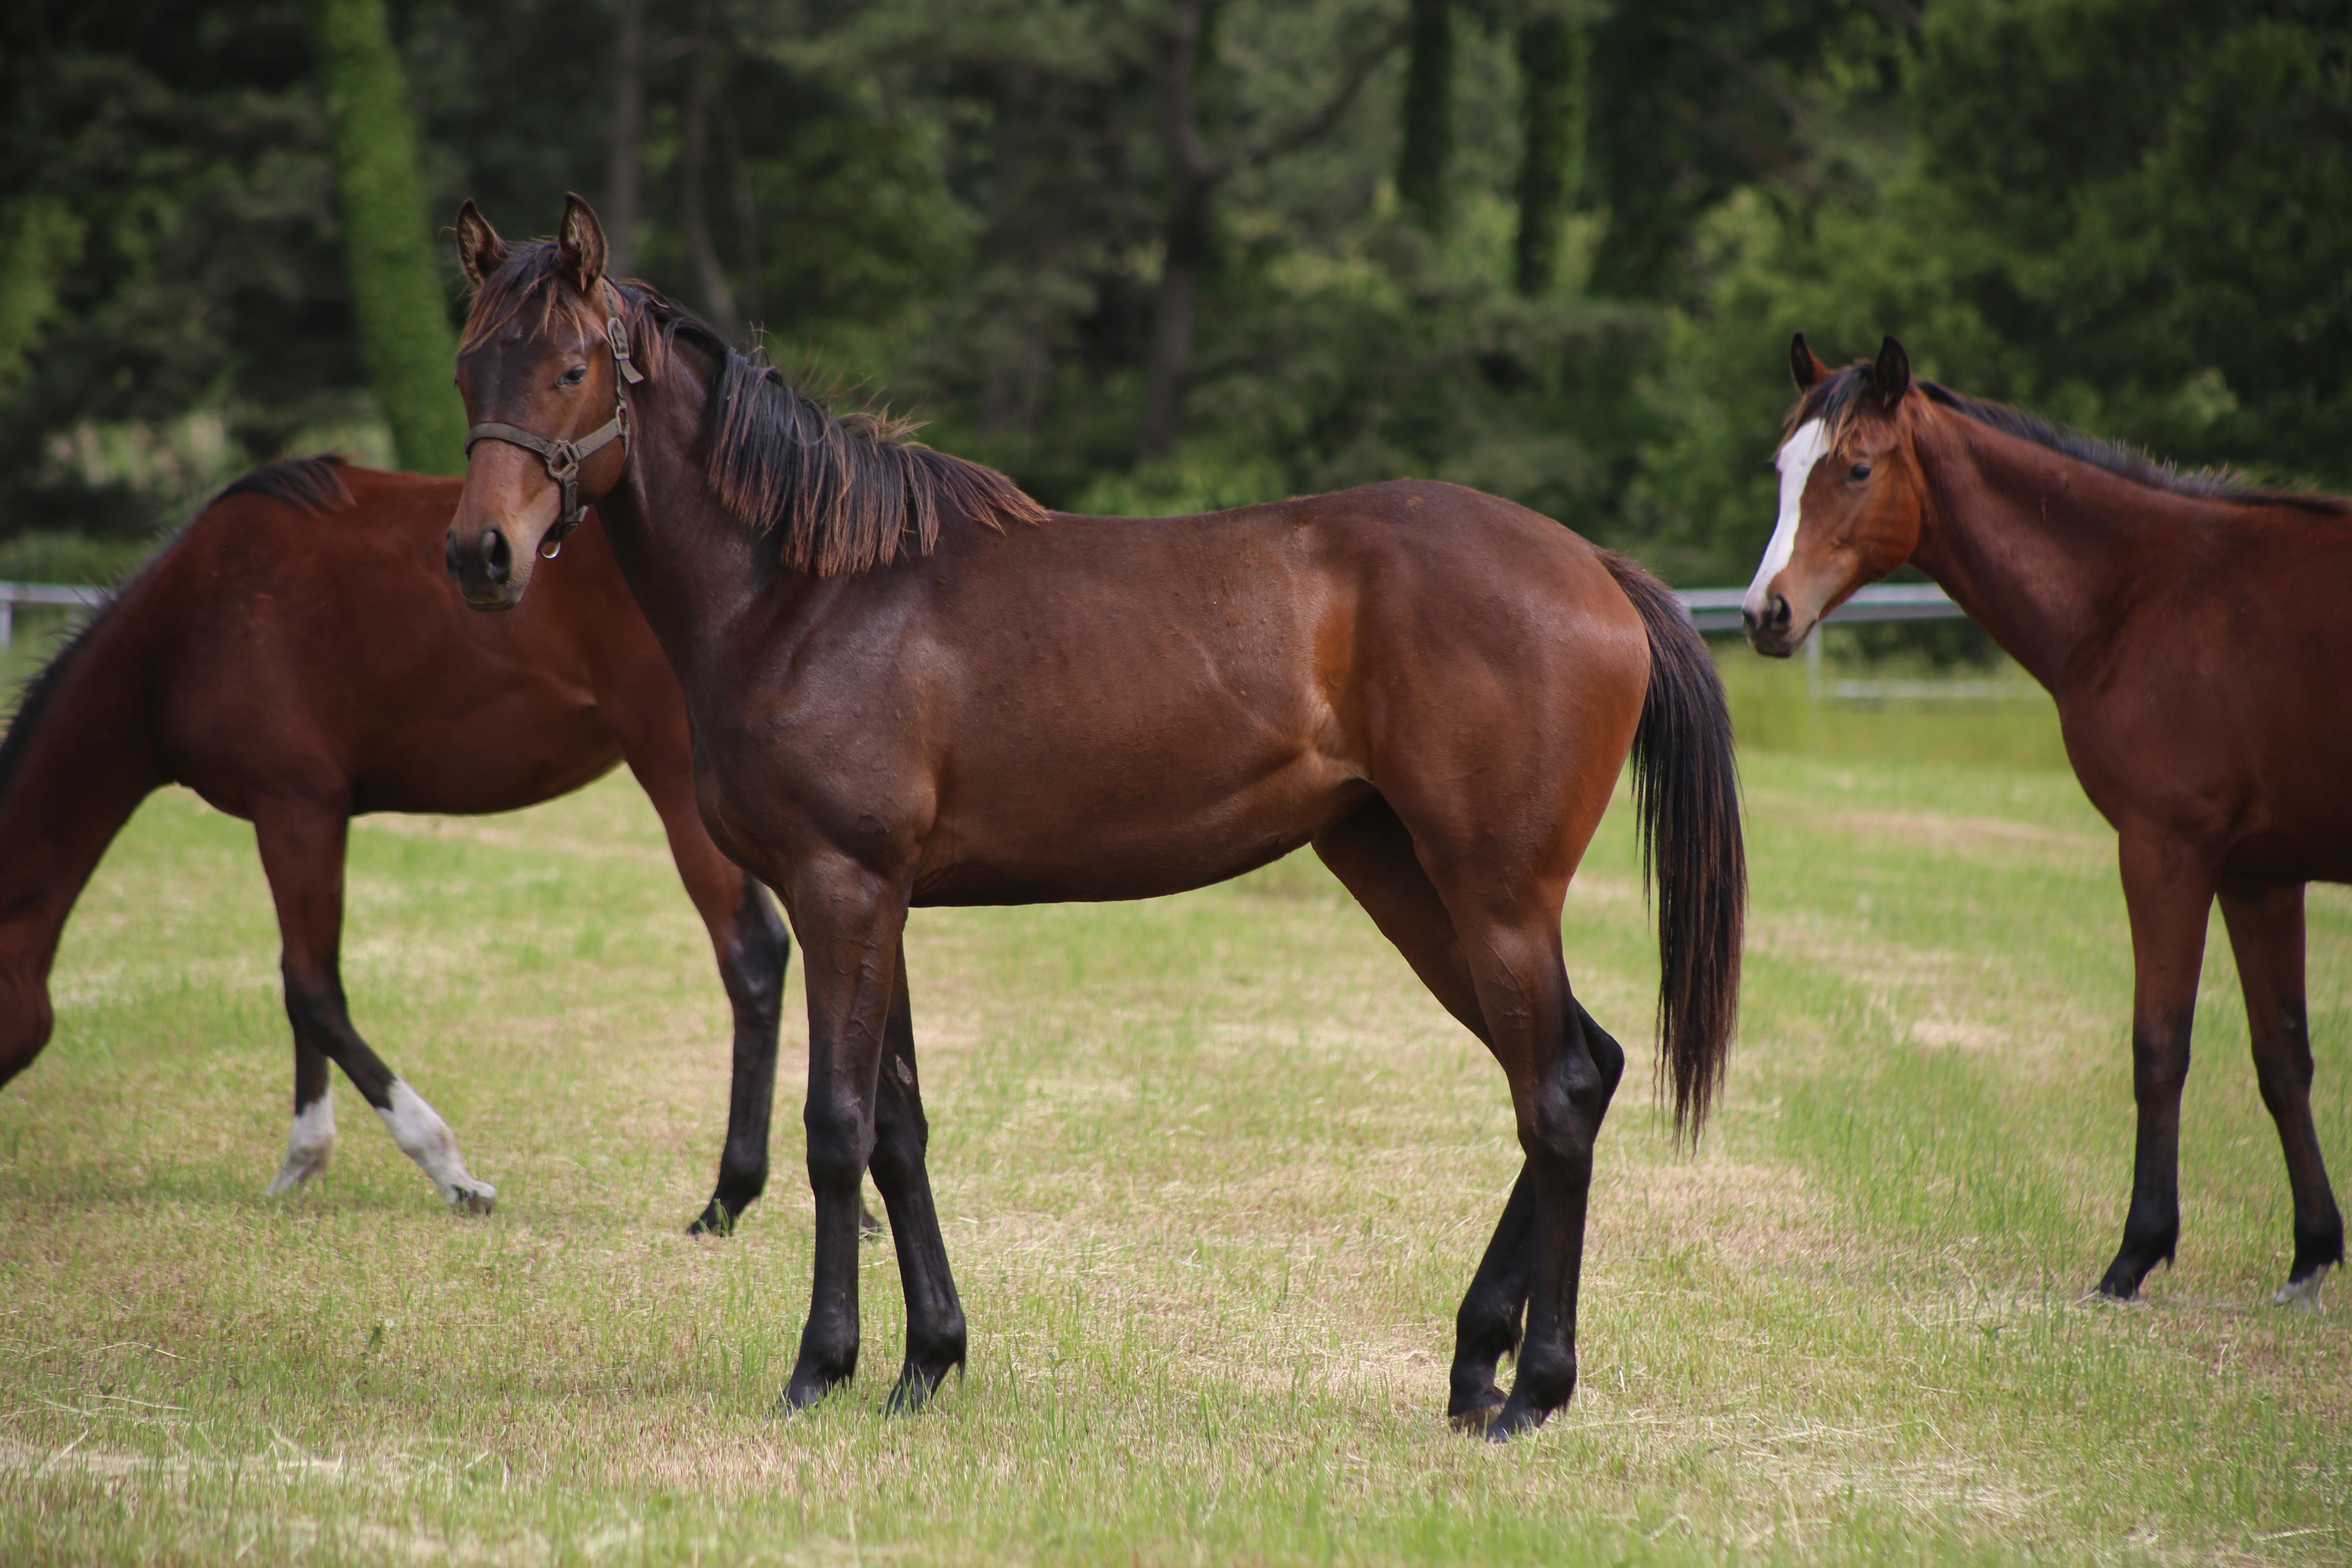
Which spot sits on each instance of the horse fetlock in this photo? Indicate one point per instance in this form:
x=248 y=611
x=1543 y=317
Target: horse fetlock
x=819 y=1373
x=308 y=1146
x=1547 y=1377
x=2133 y=1264
x=425 y=1138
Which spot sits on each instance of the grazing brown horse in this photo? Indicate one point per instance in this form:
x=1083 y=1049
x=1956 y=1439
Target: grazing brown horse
x=2192 y=631
x=296 y=657
x=911 y=686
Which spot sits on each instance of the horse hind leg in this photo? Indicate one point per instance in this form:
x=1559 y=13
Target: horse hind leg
x=1373 y=855
x=935 y=1322
x=302 y=855
x=2266 y=932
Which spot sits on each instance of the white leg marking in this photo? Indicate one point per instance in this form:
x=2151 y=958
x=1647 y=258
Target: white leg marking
x=2303 y=1294
x=1798 y=455
x=308 y=1146
x=425 y=1138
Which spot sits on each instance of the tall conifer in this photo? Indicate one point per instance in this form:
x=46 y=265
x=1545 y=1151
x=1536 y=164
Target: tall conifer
x=404 y=316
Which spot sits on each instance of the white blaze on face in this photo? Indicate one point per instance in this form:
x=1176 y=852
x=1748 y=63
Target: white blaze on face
x=425 y=1138
x=1798 y=456
x=308 y=1146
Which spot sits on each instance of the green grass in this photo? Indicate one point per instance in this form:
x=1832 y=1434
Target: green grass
x=1215 y=1172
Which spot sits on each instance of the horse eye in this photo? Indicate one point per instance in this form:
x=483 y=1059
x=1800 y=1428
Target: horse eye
x=1861 y=471
x=574 y=376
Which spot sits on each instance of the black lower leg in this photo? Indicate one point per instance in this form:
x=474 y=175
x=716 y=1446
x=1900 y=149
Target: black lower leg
x=2152 y=1224
x=1487 y=1326
x=935 y=1323
x=753 y=972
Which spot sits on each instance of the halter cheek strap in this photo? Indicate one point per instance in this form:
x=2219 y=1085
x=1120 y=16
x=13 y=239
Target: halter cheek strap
x=563 y=457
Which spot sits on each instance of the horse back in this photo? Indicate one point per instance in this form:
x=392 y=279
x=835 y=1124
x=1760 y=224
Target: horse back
x=320 y=651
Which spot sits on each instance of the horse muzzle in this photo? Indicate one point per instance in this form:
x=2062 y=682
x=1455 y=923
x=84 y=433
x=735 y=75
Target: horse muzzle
x=1769 y=633
x=482 y=564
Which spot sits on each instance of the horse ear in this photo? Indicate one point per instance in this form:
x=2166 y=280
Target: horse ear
x=480 y=251
x=1892 y=374
x=580 y=241
x=1803 y=365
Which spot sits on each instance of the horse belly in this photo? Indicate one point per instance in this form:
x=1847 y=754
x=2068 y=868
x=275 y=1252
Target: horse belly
x=1129 y=832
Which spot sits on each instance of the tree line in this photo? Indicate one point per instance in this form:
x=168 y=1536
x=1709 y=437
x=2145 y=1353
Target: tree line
x=1164 y=255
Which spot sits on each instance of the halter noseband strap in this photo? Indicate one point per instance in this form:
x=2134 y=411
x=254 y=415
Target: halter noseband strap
x=563 y=457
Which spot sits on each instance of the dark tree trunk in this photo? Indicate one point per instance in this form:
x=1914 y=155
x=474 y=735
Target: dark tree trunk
x=1191 y=179
x=628 y=132
x=1552 y=61
x=1426 y=157
x=693 y=173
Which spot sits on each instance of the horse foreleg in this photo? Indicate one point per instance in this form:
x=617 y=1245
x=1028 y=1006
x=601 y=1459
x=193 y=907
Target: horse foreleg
x=2167 y=892
x=311 y=1143
x=302 y=846
x=935 y=1326
x=850 y=923
x=2266 y=932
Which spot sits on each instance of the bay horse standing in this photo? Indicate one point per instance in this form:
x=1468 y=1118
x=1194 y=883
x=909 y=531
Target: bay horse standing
x=910 y=685
x=2191 y=629
x=296 y=657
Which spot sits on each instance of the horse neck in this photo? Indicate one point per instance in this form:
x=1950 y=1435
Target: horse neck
x=77 y=774
x=693 y=569
x=2034 y=544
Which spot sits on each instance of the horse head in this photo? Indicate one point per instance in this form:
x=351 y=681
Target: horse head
x=1851 y=496
x=543 y=370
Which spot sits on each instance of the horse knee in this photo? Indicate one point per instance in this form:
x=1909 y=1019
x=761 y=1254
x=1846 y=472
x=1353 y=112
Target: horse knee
x=840 y=1141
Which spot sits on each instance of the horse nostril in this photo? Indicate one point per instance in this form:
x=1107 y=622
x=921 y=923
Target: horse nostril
x=1781 y=615
x=497 y=558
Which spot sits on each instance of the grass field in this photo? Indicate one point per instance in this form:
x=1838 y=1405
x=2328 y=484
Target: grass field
x=1215 y=1172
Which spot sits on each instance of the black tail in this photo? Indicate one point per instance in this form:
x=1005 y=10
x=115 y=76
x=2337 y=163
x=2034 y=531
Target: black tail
x=1687 y=793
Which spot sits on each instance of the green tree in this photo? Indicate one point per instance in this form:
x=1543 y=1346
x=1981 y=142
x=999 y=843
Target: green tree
x=1553 y=53
x=1425 y=158
x=404 y=313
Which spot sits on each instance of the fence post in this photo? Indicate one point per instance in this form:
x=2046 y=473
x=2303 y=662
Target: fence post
x=1813 y=665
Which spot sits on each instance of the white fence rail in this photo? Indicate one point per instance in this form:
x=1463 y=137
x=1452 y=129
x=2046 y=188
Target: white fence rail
x=1710 y=610
x=15 y=593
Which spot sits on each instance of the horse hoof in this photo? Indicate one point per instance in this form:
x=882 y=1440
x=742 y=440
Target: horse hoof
x=296 y=1172
x=1512 y=1420
x=480 y=1197
x=1476 y=1417
x=2303 y=1294
x=869 y=1227
x=715 y=1221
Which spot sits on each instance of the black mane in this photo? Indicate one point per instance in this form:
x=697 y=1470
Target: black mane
x=307 y=484
x=1833 y=401
x=41 y=687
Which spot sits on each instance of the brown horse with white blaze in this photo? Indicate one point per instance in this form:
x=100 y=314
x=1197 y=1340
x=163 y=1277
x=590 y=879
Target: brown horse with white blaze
x=2192 y=630
x=296 y=657
x=910 y=685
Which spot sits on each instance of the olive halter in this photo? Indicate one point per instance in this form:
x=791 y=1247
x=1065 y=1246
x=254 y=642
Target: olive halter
x=563 y=457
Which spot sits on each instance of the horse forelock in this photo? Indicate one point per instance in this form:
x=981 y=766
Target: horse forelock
x=533 y=278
